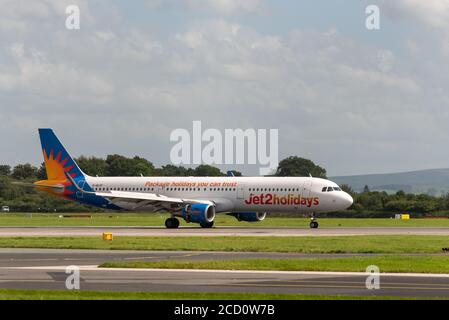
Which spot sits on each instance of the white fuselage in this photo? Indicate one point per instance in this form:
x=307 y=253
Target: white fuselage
x=235 y=194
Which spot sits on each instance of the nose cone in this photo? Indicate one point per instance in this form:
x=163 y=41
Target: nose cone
x=346 y=200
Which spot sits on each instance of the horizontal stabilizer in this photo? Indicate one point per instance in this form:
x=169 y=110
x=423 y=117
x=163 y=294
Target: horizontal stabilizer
x=44 y=186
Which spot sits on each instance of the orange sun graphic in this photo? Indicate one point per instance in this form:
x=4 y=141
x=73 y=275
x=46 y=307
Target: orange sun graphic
x=56 y=170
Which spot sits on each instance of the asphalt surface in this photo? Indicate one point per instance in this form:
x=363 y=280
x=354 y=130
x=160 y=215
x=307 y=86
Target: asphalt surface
x=45 y=269
x=218 y=231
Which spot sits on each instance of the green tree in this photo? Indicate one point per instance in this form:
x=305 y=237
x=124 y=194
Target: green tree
x=5 y=170
x=170 y=170
x=42 y=172
x=142 y=167
x=347 y=188
x=366 y=189
x=9 y=191
x=92 y=166
x=207 y=170
x=400 y=193
x=24 y=171
x=299 y=167
x=118 y=165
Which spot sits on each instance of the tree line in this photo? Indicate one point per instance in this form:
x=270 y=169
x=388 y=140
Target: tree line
x=366 y=203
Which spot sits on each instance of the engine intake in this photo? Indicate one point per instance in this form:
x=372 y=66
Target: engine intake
x=198 y=213
x=249 y=216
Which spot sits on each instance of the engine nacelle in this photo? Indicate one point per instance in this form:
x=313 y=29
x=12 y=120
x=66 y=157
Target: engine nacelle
x=249 y=216
x=198 y=213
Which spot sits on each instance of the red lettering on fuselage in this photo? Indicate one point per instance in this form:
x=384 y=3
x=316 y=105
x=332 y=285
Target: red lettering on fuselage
x=285 y=200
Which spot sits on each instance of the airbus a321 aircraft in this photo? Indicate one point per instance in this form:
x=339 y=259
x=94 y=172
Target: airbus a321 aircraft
x=194 y=199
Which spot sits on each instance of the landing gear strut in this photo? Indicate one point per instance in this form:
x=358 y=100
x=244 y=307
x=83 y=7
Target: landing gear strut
x=172 y=223
x=313 y=223
x=207 y=224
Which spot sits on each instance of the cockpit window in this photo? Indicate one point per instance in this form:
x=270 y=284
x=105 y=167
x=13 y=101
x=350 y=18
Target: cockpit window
x=329 y=189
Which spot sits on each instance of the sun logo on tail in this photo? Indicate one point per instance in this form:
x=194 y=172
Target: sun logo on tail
x=56 y=167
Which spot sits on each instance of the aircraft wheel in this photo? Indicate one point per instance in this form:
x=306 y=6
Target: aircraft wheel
x=172 y=223
x=207 y=224
x=313 y=225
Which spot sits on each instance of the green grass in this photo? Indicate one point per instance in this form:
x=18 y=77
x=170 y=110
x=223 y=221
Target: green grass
x=340 y=244
x=12 y=294
x=157 y=219
x=395 y=264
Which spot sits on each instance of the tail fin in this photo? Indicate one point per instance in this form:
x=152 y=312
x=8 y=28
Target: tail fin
x=57 y=159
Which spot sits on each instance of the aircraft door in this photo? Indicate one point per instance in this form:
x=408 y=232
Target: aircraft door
x=240 y=191
x=306 y=188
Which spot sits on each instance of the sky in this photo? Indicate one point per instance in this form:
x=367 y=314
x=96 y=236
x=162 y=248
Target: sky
x=353 y=100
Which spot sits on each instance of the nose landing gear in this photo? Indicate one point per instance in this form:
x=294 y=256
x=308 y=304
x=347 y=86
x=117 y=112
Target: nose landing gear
x=313 y=223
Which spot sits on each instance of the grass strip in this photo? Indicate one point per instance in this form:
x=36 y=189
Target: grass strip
x=13 y=294
x=390 y=264
x=396 y=244
x=157 y=219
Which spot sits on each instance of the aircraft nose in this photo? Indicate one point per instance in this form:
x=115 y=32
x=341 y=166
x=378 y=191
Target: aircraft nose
x=347 y=200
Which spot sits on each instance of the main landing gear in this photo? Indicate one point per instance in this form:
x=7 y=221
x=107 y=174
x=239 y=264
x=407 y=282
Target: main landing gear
x=207 y=224
x=172 y=223
x=313 y=223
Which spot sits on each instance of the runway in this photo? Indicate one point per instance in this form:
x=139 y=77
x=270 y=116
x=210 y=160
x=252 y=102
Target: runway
x=45 y=269
x=218 y=231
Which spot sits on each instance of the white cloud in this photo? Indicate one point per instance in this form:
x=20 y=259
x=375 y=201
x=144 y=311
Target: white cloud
x=433 y=13
x=333 y=98
x=220 y=7
x=32 y=73
x=429 y=17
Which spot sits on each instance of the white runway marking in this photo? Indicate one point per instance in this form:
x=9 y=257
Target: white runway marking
x=308 y=273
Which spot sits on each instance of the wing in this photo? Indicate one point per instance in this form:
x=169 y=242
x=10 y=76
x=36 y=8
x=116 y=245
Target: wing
x=137 y=200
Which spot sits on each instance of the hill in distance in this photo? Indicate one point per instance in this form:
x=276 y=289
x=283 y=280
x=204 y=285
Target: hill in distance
x=432 y=181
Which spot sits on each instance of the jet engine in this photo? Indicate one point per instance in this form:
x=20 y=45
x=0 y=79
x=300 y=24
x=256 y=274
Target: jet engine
x=249 y=216
x=201 y=213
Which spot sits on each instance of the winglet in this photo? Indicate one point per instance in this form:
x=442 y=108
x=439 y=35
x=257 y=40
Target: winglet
x=230 y=173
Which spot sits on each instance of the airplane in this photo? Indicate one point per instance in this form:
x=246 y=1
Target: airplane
x=194 y=199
